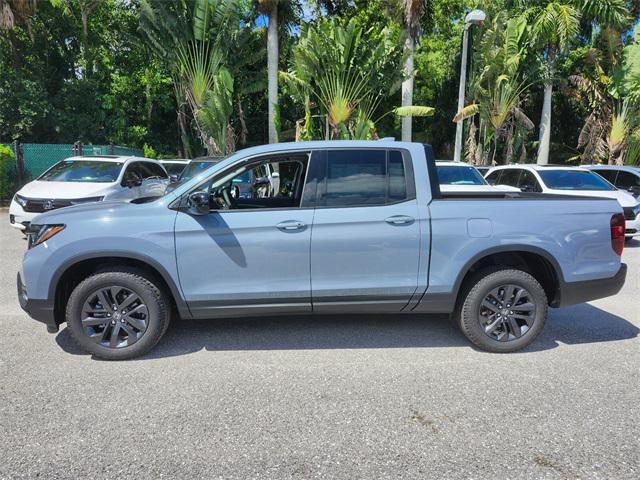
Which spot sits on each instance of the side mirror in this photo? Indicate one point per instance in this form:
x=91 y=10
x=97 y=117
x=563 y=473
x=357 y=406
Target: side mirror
x=198 y=203
x=173 y=178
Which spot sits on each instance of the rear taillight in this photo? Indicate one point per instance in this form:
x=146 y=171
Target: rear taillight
x=617 y=233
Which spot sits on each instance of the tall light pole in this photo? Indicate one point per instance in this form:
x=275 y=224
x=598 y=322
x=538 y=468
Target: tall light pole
x=474 y=17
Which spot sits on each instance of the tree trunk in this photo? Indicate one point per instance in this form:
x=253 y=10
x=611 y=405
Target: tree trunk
x=407 y=87
x=545 y=126
x=272 y=71
x=84 y=14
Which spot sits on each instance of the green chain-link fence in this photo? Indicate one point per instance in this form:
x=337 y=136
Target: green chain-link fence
x=37 y=157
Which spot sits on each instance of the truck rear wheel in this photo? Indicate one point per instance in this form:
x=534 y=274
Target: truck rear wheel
x=117 y=315
x=503 y=310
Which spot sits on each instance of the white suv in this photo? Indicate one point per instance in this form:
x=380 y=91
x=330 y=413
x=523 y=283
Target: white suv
x=88 y=179
x=561 y=180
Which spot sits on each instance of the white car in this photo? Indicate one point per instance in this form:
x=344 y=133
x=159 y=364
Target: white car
x=624 y=177
x=88 y=179
x=462 y=177
x=561 y=180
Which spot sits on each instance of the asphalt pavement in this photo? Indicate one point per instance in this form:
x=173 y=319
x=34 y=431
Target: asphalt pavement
x=324 y=397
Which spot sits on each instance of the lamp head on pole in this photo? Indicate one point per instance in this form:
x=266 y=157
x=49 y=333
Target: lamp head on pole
x=475 y=17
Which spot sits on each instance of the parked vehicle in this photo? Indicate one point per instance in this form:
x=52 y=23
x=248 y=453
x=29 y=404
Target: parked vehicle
x=483 y=169
x=79 y=180
x=356 y=227
x=462 y=177
x=174 y=167
x=562 y=180
x=193 y=168
x=623 y=177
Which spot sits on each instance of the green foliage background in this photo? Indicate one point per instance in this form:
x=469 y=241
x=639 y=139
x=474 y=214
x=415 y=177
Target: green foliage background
x=117 y=86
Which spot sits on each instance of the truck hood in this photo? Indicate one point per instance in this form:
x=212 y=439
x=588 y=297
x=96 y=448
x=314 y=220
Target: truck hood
x=624 y=199
x=64 y=190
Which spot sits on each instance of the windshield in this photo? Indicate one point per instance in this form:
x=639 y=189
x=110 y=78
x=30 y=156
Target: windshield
x=462 y=175
x=194 y=168
x=574 y=180
x=83 y=171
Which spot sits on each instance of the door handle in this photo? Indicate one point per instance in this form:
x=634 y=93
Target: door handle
x=399 y=220
x=291 y=225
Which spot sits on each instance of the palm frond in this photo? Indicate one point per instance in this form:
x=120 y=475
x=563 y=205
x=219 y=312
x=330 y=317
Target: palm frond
x=414 y=111
x=466 y=112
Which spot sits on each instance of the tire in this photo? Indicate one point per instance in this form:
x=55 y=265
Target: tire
x=136 y=332
x=496 y=327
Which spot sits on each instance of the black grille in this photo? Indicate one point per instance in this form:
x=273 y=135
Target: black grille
x=39 y=205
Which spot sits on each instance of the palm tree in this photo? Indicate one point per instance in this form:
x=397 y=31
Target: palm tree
x=413 y=11
x=339 y=66
x=193 y=37
x=554 y=27
x=270 y=8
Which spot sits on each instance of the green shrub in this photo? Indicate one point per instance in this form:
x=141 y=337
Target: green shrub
x=149 y=152
x=7 y=173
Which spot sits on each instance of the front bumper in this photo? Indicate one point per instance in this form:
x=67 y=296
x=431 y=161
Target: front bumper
x=632 y=227
x=572 y=293
x=18 y=218
x=40 y=310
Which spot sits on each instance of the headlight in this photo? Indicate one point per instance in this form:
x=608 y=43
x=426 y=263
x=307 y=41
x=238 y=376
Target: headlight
x=86 y=200
x=41 y=233
x=20 y=200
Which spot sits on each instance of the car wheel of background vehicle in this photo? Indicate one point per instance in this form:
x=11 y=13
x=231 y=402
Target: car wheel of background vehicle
x=117 y=315
x=503 y=310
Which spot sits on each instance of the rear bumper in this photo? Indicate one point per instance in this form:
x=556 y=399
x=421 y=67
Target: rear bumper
x=40 y=310
x=578 y=292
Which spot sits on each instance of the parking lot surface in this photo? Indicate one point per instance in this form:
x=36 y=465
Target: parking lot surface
x=324 y=397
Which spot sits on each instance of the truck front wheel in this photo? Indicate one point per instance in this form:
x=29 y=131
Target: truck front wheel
x=117 y=315
x=503 y=310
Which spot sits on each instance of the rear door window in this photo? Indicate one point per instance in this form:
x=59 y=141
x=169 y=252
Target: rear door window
x=364 y=177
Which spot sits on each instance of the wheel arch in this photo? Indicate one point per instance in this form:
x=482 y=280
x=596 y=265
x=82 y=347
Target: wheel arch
x=76 y=269
x=533 y=260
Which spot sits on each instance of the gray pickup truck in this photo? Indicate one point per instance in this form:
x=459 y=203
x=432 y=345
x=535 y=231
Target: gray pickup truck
x=334 y=227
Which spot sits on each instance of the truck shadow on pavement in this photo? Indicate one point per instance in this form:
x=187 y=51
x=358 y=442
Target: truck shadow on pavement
x=575 y=325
